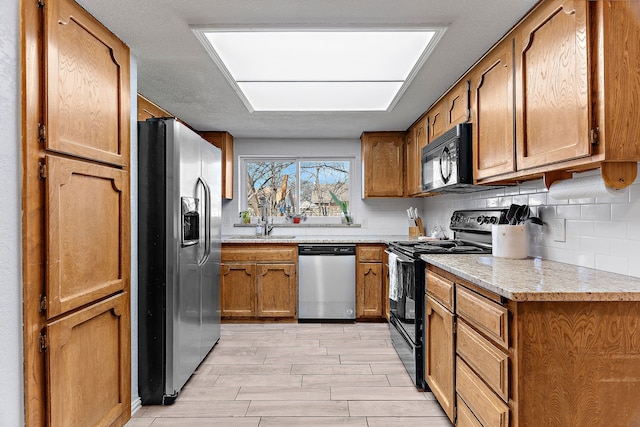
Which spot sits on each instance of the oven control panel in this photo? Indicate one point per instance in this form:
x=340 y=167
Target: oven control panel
x=477 y=220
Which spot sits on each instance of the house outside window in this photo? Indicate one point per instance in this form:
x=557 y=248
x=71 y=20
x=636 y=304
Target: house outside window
x=295 y=185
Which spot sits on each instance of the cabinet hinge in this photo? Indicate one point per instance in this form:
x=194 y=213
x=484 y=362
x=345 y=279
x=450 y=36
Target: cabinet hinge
x=42 y=133
x=43 y=341
x=42 y=168
x=43 y=303
x=40 y=3
x=594 y=136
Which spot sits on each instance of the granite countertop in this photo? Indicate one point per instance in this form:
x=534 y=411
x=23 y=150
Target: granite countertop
x=535 y=279
x=363 y=238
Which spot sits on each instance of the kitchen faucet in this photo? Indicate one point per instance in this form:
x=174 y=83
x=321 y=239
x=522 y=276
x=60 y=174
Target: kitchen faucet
x=266 y=228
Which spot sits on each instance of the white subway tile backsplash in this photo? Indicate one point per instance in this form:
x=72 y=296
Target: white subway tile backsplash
x=626 y=212
x=633 y=230
x=537 y=199
x=568 y=212
x=595 y=212
x=613 y=264
x=611 y=229
x=602 y=233
x=595 y=245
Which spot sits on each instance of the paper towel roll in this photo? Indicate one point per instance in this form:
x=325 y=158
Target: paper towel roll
x=583 y=187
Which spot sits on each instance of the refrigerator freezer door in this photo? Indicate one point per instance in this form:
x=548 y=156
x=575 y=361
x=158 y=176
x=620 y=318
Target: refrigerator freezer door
x=186 y=296
x=211 y=175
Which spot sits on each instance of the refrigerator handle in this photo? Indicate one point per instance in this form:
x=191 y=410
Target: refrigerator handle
x=207 y=221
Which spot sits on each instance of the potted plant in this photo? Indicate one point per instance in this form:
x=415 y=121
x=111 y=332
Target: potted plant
x=343 y=205
x=246 y=216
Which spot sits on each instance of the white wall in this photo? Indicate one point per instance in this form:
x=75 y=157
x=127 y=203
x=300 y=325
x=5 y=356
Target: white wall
x=133 y=176
x=385 y=216
x=601 y=232
x=11 y=360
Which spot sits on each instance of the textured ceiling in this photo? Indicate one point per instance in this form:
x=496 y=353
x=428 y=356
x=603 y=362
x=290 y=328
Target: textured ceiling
x=175 y=71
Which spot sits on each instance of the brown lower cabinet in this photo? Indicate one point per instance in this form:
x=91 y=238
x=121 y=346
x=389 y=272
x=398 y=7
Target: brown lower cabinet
x=530 y=363
x=259 y=281
x=371 y=283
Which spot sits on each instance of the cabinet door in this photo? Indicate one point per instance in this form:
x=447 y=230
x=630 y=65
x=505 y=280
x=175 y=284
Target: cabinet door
x=552 y=85
x=87 y=85
x=437 y=120
x=88 y=371
x=224 y=141
x=457 y=104
x=415 y=141
x=276 y=288
x=237 y=290
x=492 y=112
x=412 y=161
x=87 y=245
x=383 y=164
x=439 y=355
x=369 y=290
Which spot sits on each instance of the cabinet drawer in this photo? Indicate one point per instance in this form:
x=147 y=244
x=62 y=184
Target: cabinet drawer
x=488 y=408
x=491 y=364
x=487 y=316
x=465 y=417
x=370 y=253
x=259 y=253
x=440 y=289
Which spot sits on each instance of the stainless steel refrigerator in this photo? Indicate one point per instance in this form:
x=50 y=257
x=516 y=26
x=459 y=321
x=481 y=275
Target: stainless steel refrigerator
x=179 y=219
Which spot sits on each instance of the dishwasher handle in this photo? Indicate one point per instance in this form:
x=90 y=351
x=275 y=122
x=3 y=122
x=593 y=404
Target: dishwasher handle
x=332 y=250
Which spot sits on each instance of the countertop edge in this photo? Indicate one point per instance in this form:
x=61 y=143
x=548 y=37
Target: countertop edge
x=533 y=277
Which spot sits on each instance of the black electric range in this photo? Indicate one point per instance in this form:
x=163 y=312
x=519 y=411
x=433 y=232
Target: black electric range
x=407 y=288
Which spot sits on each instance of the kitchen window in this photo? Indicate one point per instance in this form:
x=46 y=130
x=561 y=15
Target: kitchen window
x=295 y=185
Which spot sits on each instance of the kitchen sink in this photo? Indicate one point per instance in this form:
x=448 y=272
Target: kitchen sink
x=250 y=237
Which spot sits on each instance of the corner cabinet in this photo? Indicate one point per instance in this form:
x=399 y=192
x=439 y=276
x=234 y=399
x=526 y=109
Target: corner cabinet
x=383 y=164
x=371 y=286
x=259 y=281
x=224 y=141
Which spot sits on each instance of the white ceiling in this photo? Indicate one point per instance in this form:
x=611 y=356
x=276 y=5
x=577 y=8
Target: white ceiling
x=176 y=72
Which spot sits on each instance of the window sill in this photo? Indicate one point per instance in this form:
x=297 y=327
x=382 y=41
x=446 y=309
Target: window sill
x=305 y=225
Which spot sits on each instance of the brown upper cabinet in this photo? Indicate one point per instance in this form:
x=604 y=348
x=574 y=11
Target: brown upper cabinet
x=576 y=87
x=436 y=119
x=493 y=128
x=415 y=140
x=552 y=84
x=456 y=105
x=224 y=141
x=383 y=164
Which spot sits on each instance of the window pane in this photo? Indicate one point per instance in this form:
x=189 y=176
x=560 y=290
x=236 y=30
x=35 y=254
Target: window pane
x=274 y=182
x=317 y=179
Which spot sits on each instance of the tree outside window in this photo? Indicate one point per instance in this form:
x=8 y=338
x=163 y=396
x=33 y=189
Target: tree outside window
x=296 y=186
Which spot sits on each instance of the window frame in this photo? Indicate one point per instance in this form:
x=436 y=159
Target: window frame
x=242 y=173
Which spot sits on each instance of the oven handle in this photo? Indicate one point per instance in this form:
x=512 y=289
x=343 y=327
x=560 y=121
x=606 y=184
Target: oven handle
x=400 y=257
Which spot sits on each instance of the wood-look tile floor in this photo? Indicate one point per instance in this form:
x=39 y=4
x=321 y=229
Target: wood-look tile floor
x=299 y=375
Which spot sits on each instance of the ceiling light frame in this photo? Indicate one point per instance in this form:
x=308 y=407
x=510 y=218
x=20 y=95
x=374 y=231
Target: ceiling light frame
x=202 y=31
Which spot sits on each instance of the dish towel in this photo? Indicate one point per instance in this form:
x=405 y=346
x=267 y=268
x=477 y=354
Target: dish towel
x=393 y=277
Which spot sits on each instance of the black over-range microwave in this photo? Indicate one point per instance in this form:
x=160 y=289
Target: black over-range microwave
x=447 y=163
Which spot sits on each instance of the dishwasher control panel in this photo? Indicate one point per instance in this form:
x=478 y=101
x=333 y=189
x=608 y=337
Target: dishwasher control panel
x=318 y=249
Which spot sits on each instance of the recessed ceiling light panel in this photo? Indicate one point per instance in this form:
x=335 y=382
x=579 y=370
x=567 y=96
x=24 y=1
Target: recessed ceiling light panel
x=319 y=70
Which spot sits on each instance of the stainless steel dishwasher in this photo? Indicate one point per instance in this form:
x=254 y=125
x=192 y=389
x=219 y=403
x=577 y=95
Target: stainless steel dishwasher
x=326 y=282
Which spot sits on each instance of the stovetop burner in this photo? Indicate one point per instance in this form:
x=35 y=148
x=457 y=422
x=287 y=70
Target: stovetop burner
x=448 y=246
x=472 y=234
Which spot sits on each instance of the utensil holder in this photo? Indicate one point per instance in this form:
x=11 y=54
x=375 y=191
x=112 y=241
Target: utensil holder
x=510 y=241
x=414 y=231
